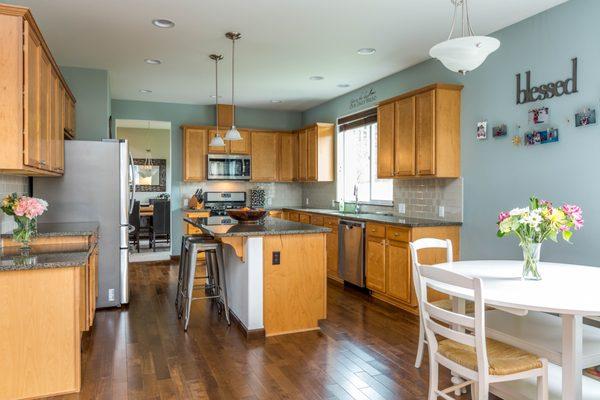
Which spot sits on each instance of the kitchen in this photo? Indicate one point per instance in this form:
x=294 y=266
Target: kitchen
x=373 y=148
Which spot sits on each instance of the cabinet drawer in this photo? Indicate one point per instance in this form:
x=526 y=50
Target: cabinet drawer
x=294 y=216
x=331 y=223
x=398 y=234
x=316 y=220
x=375 y=230
x=304 y=218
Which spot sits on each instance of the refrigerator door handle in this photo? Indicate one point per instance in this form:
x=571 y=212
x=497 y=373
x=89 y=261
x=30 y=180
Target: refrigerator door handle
x=132 y=174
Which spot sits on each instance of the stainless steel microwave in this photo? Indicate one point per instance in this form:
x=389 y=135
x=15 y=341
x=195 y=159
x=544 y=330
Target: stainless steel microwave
x=228 y=167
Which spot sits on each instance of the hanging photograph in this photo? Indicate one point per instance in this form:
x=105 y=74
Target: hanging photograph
x=585 y=118
x=541 y=137
x=482 y=130
x=499 y=131
x=539 y=115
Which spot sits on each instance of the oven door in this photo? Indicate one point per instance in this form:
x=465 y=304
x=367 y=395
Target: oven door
x=228 y=167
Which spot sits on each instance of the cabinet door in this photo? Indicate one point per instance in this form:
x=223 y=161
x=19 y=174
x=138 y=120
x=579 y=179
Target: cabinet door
x=32 y=136
x=332 y=254
x=302 y=154
x=54 y=122
x=60 y=152
x=194 y=154
x=385 y=140
x=399 y=281
x=241 y=146
x=288 y=159
x=404 y=138
x=376 y=264
x=425 y=133
x=220 y=149
x=45 y=119
x=72 y=124
x=312 y=145
x=264 y=156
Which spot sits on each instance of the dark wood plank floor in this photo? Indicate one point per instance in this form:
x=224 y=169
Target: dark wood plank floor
x=365 y=351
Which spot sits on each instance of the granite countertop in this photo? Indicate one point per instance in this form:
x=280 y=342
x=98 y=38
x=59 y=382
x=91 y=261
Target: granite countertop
x=381 y=218
x=270 y=226
x=43 y=257
x=48 y=229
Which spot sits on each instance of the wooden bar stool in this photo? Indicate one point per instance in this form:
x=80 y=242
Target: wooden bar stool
x=215 y=287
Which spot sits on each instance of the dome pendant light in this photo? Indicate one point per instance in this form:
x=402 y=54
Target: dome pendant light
x=467 y=52
x=233 y=133
x=217 y=140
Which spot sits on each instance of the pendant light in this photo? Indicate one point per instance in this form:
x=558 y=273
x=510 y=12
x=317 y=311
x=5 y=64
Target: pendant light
x=233 y=133
x=467 y=52
x=217 y=140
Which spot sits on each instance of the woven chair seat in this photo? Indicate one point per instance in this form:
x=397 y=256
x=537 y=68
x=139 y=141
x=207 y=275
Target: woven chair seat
x=503 y=359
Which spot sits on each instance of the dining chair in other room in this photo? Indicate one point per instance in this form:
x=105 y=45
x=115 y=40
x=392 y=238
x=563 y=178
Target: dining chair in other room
x=463 y=347
x=134 y=220
x=160 y=229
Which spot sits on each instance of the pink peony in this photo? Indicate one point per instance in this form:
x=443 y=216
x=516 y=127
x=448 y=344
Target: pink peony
x=30 y=207
x=564 y=228
x=571 y=209
x=578 y=223
x=502 y=216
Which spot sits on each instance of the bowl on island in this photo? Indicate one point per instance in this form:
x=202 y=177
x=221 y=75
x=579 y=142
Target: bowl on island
x=248 y=215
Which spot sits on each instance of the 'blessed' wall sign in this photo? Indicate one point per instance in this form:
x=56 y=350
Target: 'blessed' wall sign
x=548 y=90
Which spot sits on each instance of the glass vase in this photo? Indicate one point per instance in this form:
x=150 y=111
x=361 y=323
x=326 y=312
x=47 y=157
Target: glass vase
x=25 y=230
x=531 y=259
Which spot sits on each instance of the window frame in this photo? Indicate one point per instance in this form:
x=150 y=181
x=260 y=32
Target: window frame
x=340 y=177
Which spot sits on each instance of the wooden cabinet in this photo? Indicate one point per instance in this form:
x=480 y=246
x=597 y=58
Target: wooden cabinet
x=288 y=157
x=191 y=229
x=316 y=153
x=419 y=133
x=217 y=149
x=294 y=216
x=265 y=149
x=332 y=243
x=398 y=277
x=195 y=150
x=243 y=146
x=376 y=258
x=33 y=93
x=304 y=218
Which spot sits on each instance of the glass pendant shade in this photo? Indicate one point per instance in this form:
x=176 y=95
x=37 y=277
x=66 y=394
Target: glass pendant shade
x=233 y=134
x=217 y=141
x=466 y=53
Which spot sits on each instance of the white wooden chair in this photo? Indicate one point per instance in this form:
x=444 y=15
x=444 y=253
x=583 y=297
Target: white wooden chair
x=464 y=348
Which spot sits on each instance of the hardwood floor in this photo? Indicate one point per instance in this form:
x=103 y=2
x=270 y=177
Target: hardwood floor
x=365 y=350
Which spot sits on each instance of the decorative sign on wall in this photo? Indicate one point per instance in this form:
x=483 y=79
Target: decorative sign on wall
x=365 y=97
x=546 y=91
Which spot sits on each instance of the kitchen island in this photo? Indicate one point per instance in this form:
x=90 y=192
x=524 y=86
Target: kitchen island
x=276 y=273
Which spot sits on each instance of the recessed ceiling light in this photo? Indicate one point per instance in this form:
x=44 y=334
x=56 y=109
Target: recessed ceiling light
x=163 y=23
x=145 y=91
x=153 y=61
x=343 y=85
x=366 y=51
x=316 y=78
x=275 y=101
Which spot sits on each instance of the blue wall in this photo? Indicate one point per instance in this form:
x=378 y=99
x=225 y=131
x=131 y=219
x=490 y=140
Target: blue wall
x=188 y=114
x=498 y=175
x=91 y=90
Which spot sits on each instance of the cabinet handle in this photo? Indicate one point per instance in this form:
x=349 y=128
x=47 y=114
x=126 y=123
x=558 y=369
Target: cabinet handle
x=372 y=230
x=395 y=233
x=42 y=162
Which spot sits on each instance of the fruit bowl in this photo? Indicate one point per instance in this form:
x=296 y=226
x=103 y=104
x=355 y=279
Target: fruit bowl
x=247 y=215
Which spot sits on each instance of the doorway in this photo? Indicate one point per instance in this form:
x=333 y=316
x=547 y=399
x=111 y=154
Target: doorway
x=150 y=147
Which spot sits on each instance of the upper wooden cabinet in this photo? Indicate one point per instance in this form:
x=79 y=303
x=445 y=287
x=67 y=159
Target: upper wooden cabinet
x=231 y=146
x=315 y=153
x=288 y=157
x=38 y=109
x=419 y=133
x=195 y=150
x=265 y=149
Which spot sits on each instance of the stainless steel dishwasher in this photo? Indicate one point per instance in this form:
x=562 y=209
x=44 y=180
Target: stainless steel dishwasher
x=351 y=262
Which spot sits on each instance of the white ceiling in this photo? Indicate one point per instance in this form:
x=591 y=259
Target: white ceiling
x=284 y=42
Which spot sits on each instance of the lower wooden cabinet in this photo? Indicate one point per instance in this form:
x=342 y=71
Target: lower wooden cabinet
x=376 y=264
x=398 y=277
x=191 y=229
x=304 y=218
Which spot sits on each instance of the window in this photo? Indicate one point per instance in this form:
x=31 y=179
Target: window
x=357 y=161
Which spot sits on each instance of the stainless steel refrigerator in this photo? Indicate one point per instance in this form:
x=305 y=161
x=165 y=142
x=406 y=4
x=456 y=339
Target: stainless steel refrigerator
x=96 y=187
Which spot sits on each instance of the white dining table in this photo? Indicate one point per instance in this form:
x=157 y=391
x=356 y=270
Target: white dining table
x=571 y=291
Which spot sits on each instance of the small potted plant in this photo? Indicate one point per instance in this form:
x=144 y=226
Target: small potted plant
x=536 y=223
x=25 y=210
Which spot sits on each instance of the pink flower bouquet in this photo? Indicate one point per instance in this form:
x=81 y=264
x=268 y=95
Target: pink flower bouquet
x=25 y=210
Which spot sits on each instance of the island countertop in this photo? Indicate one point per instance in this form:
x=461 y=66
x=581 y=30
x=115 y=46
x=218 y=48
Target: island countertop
x=50 y=229
x=270 y=226
x=43 y=257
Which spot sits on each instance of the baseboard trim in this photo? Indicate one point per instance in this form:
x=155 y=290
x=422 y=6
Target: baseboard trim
x=249 y=334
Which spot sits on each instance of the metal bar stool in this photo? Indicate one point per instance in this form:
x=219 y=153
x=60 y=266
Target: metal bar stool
x=182 y=265
x=215 y=288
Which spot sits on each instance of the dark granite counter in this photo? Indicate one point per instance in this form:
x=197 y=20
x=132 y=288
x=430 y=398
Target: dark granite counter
x=43 y=257
x=270 y=226
x=381 y=218
x=49 y=229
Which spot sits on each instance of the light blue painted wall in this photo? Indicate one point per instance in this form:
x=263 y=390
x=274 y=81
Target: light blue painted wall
x=92 y=92
x=498 y=175
x=188 y=114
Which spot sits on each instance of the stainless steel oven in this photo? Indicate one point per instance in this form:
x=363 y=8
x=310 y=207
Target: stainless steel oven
x=228 y=167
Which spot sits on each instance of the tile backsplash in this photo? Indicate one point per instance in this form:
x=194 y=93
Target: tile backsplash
x=10 y=184
x=276 y=194
x=421 y=197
